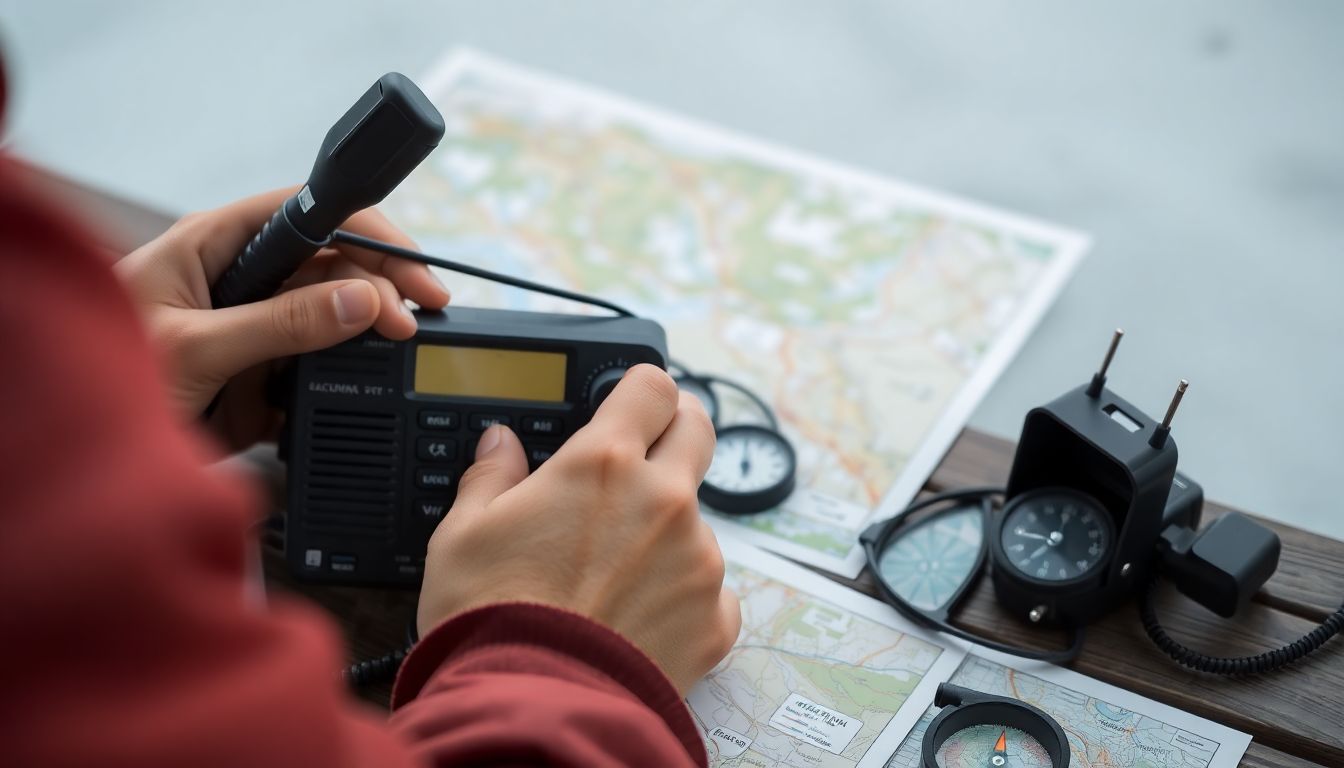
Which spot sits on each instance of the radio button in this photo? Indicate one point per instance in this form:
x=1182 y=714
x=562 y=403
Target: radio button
x=343 y=563
x=543 y=425
x=431 y=509
x=438 y=420
x=436 y=449
x=538 y=454
x=433 y=478
x=483 y=421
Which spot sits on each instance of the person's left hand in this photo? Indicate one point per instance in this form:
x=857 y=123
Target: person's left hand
x=336 y=295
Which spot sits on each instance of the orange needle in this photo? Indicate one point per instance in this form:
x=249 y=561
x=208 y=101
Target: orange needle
x=1002 y=744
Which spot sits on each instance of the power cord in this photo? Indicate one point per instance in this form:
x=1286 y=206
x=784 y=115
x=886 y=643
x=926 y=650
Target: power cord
x=1242 y=665
x=381 y=669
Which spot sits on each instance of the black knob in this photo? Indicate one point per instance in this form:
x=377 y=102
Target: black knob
x=603 y=384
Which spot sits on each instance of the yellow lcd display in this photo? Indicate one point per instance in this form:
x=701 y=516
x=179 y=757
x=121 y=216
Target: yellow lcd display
x=509 y=374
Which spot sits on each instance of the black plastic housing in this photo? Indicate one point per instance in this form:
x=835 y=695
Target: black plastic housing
x=365 y=155
x=1224 y=565
x=1078 y=441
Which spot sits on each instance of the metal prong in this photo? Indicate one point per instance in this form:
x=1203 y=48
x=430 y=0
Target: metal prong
x=1175 y=401
x=1110 y=352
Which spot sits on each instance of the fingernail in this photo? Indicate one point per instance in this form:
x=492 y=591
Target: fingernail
x=354 y=303
x=442 y=284
x=489 y=441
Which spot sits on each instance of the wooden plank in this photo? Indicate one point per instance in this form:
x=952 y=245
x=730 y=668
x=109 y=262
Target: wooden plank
x=1260 y=756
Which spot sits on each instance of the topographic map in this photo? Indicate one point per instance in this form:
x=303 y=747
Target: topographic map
x=871 y=315
x=813 y=679
x=1101 y=732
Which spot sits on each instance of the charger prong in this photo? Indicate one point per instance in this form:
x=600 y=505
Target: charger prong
x=1175 y=402
x=1099 y=378
x=1159 y=438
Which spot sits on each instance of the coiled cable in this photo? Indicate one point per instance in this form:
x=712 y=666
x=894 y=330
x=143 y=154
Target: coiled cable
x=1240 y=665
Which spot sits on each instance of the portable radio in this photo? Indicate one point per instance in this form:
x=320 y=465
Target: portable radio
x=379 y=432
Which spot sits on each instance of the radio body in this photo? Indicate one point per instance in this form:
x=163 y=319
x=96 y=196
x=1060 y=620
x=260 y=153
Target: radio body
x=380 y=432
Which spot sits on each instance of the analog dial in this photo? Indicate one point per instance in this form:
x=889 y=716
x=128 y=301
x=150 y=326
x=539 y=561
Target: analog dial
x=1055 y=534
x=752 y=470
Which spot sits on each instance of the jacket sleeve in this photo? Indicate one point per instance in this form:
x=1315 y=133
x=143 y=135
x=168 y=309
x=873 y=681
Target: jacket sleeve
x=535 y=685
x=130 y=637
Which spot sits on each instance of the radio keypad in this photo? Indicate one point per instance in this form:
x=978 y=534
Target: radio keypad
x=483 y=421
x=431 y=509
x=543 y=425
x=436 y=449
x=438 y=420
x=433 y=479
x=538 y=454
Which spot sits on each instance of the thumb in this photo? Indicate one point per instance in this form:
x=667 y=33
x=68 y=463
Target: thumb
x=302 y=320
x=500 y=465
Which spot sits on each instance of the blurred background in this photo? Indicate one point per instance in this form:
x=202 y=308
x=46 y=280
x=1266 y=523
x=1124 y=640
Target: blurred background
x=1201 y=144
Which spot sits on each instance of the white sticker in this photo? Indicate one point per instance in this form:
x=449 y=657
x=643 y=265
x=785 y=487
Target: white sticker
x=306 y=201
x=805 y=719
x=729 y=743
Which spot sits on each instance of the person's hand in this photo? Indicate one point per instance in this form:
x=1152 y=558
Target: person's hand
x=609 y=527
x=335 y=296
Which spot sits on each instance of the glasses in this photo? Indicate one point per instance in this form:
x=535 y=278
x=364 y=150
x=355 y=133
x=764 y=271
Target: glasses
x=929 y=557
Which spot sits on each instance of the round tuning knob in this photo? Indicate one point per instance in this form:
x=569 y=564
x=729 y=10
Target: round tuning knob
x=603 y=384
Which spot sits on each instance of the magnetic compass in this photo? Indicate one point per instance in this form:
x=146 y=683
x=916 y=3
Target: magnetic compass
x=980 y=730
x=753 y=470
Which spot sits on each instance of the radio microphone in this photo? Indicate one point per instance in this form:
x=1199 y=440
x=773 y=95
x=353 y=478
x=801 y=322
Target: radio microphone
x=365 y=155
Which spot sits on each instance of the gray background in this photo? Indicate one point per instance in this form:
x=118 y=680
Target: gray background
x=1200 y=143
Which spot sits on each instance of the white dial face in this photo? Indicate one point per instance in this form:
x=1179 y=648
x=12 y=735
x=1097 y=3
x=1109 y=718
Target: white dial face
x=748 y=461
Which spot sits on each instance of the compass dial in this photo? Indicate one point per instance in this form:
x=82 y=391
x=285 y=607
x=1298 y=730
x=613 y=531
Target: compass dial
x=992 y=746
x=752 y=470
x=1055 y=534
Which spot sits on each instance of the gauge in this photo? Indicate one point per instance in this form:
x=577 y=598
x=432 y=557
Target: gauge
x=753 y=470
x=1055 y=534
x=702 y=391
x=980 y=730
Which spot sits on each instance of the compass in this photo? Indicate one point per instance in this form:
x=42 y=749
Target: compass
x=1056 y=535
x=980 y=730
x=753 y=470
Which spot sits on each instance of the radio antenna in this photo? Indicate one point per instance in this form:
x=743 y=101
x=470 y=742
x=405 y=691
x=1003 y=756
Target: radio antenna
x=1099 y=378
x=350 y=238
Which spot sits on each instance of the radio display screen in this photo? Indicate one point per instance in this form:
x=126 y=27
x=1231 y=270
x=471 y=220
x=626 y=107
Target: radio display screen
x=508 y=374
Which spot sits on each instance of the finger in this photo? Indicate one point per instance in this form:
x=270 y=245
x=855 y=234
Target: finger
x=640 y=408
x=414 y=280
x=730 y=620
x=302 y=320
x=220 y=234
x=500 y=465
x=688 y=441
x=394 y=318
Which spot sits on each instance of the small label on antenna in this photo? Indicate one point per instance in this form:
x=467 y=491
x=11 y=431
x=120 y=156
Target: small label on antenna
x=306 y=201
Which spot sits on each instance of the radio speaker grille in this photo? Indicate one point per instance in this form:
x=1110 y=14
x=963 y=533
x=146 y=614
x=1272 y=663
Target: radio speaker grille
x=352 y=474
x=351 y=359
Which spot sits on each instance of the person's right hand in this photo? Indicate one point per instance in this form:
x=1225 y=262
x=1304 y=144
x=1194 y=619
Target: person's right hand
x=609 y=528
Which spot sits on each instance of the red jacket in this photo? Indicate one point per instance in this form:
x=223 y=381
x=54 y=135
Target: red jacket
x=128 y=634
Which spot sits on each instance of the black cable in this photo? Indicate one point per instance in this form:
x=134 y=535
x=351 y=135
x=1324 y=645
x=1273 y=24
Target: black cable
x=359 y=241
x=1239 y=665
x=381 y=669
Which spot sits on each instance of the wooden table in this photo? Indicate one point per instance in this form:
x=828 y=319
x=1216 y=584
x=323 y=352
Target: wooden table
x=1296 y=716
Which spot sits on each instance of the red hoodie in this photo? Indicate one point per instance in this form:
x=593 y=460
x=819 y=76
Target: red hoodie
x=127 y=632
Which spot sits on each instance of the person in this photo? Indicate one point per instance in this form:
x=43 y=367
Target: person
x=564 y=614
